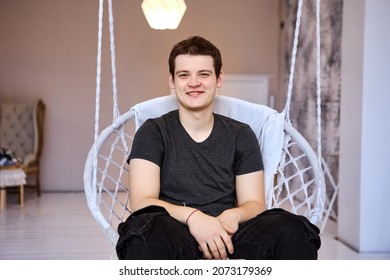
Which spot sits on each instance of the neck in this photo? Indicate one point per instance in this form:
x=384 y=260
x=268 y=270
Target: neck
x=198 y=124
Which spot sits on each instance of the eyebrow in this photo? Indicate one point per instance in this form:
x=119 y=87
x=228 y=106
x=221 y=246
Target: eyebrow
x=187 y=71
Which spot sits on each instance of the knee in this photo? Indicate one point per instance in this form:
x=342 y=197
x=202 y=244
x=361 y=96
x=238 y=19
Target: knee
x=297 y=236
x=150 y=236
x=285 y=235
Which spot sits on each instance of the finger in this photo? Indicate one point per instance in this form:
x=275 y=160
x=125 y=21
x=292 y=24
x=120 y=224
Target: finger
x=214 y=249
x=228 y=243
x=221 y=248
x=205 y=250
x=228 y=229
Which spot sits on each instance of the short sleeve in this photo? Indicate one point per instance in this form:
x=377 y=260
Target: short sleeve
x=148 y=143
x=248 y=156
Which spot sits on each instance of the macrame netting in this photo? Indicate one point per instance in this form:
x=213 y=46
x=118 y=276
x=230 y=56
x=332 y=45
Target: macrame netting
x=299 y=178
x=297 y=185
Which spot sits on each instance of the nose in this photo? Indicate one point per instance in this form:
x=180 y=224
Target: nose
x=194 y=81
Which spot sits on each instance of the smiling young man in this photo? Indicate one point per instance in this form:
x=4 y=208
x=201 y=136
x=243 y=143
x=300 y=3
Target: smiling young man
x=196 y=179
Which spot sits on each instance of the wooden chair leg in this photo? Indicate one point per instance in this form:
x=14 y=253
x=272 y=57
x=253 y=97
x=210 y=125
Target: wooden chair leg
x=3 y=198
x=37 y=183
x=21 y=195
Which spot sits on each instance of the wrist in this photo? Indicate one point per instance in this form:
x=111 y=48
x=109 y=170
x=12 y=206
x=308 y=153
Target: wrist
x=190 y=215
x=235 y=213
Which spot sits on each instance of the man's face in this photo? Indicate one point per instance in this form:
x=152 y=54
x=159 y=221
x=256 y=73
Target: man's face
x=195 y=82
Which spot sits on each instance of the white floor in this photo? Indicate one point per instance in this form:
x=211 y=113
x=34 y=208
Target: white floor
x=59 y=226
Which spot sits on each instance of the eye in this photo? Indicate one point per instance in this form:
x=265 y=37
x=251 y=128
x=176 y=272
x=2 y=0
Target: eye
x=204 y=74
x=183 y=75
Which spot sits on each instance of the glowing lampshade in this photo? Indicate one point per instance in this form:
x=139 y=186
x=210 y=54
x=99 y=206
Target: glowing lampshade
x=163 y=14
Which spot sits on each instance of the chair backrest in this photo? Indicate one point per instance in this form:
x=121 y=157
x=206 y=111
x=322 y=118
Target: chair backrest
x=21 y=129
x=293 y=180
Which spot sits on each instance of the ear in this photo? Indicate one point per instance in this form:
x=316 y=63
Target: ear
x=171 y=82
x=220 y=80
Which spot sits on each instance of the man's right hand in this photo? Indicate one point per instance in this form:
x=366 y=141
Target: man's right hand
x=213 y=239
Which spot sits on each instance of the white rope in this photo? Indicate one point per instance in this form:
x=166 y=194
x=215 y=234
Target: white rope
x=319 y=140
x=116 y=113
x=98 y=82
x=318 y=35
x=318 y=73
x=293 y=59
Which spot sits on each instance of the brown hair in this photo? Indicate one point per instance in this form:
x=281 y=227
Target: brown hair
x=195 y=45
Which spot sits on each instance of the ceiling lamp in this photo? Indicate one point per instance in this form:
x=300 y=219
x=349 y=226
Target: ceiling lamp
x=163 y=14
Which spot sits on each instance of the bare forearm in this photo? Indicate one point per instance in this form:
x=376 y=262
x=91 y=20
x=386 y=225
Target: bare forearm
x=180 y=213
x=247 y=211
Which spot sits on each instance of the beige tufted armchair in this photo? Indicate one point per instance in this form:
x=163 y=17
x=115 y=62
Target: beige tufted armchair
x=21 y=131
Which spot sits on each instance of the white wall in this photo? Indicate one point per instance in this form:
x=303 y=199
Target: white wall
x=364 y=222
x=48 y=50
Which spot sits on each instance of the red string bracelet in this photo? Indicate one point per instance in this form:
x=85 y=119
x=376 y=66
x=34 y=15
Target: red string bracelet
x=191 y=215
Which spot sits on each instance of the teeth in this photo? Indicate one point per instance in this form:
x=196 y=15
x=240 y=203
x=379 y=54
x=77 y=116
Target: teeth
x=193 y=93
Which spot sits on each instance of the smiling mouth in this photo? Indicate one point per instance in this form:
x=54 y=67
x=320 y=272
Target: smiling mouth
x=194 y=93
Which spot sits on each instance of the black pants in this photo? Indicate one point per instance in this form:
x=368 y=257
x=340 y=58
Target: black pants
x=151 y=233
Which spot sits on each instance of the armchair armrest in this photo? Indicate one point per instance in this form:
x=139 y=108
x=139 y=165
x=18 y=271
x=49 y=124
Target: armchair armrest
x=29 y=159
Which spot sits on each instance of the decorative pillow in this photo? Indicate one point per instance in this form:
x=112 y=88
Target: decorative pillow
x=7 y=158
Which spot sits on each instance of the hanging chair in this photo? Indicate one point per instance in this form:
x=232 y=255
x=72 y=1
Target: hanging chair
x=292 y=170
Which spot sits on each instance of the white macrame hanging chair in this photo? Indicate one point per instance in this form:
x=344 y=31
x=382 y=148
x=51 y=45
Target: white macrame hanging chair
x=293 y=175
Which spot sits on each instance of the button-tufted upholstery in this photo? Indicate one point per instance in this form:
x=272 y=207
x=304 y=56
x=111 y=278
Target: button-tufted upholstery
x=21 y=131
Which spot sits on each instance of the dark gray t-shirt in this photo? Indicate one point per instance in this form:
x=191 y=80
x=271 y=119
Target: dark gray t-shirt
x=199 y=175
